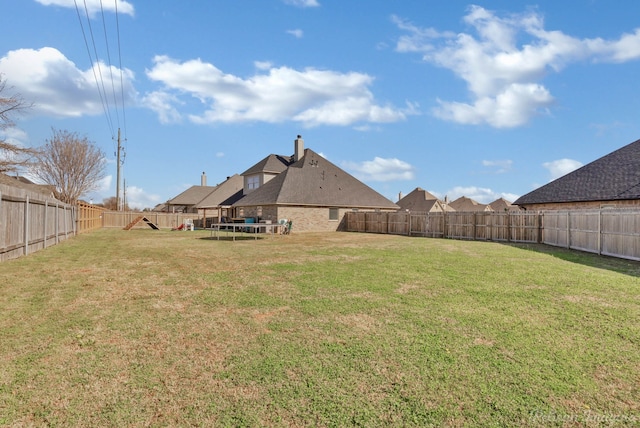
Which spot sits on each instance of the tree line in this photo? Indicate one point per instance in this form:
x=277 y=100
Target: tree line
x=69 y=163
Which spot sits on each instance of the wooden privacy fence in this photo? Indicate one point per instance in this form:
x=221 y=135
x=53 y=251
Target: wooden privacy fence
x=121 y=219
x=612 y=232
x=493 y=226
x=30 y=221
x=89 y=217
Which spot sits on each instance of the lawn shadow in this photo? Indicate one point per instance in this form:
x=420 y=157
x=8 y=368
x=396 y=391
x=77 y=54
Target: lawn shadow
x=232 y=238
x=615 y=264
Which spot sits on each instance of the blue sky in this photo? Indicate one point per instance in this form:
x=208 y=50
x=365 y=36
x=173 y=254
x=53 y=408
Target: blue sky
x=486 y=100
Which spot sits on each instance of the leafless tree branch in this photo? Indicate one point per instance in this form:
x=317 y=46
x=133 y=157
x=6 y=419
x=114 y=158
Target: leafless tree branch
x=72 y=164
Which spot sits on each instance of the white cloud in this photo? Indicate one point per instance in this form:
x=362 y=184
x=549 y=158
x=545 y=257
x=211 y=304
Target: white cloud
x=263 y=65
x=380 y=169
x=14 y=136
x=58 y=88
x=560 y=167
x=137 y=198
x=499 y=166
x=297 y=33
x=163 y=104
x=93 y=6
x=303 y=3
x=479 y=194
x=312 y=97
x=504 y=62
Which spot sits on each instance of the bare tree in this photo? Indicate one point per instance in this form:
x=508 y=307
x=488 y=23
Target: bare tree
x=12 y=157
x=73 y=165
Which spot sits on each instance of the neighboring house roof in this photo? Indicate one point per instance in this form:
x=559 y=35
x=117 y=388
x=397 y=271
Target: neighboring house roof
x=192 y=195
x=418 y=200
x=467 y=204
x=224 y=194
x=501 y=204
x=314 y=181
x=26 y=184
x=272 y=163
x=615 y=176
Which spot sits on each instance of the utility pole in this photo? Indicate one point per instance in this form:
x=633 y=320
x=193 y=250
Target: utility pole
x=118 y=173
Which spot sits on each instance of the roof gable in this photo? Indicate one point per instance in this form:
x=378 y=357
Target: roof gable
x=501 y=204
x=418 y=200
x=467 y=204
x=192 y=195
x=223 y=192
x=313 y=180
x=272 y=163
x=615 y=176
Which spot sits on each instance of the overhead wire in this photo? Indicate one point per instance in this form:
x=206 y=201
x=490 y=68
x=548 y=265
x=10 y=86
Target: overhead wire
x=124 y=117
x=102 y=100
x=106 y=42
x=95 y=49
x=99 y=78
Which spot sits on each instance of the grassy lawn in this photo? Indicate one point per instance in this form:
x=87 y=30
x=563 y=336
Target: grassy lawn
x=148 y=328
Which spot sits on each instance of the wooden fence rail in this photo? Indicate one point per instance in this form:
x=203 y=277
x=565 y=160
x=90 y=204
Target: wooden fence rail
x=120 y=219
x=30 y=221
x=611 y=232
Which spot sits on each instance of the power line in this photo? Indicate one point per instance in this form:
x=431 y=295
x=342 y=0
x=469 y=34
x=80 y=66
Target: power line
x=104 y=106
x=100 y=84
x=106 y=42
x=124 y=117
x=95 y=49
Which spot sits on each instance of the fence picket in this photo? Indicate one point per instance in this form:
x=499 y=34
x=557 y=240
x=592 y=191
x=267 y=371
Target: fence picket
x=611 y=232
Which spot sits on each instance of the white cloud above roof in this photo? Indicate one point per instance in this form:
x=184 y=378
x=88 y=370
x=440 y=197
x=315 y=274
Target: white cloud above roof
x=303 y=3
x=503 y=73
x=57 y=87
x=560 y=167
x=310 y=96
x=479 y=194
x=381 y=169
x=93 y=6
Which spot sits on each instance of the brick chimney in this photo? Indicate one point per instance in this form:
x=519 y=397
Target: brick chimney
x=299 y=149
x=203 y=179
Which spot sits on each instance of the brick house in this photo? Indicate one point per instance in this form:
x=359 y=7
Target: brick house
x=307 y=189
x=612 y=181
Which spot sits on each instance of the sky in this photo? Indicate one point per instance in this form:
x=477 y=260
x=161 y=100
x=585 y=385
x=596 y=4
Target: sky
x=484 y=100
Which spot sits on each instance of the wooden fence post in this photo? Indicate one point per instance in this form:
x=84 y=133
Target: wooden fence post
x=600 y=232
x=26 y=226
x=568 y=229
x=46 y=212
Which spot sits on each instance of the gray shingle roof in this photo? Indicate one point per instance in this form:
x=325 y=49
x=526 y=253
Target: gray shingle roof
x=272 y=163
x=315 y=181
x=192 y=195
x=615 y=176
x=222 y=192
x=23 y=183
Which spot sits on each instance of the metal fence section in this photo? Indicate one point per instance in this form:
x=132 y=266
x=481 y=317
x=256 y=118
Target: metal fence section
x=30 y=221
x=611 y=232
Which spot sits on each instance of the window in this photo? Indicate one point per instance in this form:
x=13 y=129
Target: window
x=253 y=182
x=333 y=213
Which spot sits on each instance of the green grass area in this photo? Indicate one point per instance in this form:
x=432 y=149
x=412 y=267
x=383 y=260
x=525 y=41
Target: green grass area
x=148 y=328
